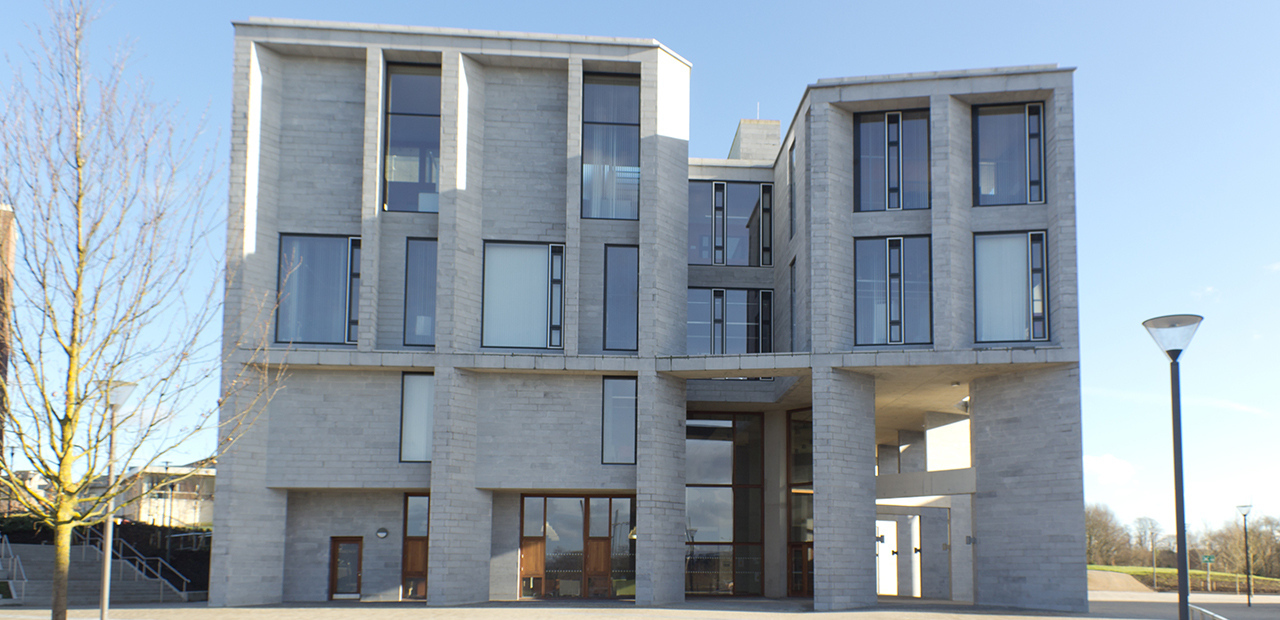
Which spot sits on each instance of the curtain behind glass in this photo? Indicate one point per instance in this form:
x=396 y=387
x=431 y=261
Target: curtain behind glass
x=871 y=291
x=619 y=420
x=1001 y=289
x=701 y=233
x=917 y=319
x=420 y=292
x=313 y=289
x=611 y=171
x=1002 y=155
x=915 y=160
x=621 y=297
x=417 y=413
x=516 y=280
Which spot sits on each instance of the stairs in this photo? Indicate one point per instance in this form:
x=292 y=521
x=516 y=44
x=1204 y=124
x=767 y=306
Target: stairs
x=85 y=579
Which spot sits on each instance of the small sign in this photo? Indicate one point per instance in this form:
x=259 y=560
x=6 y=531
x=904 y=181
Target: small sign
x=1208 y=559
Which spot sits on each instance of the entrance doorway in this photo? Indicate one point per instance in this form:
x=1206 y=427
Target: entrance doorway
x=413 y=571
x=887 y=558
x=345 y=556
x=800 y=503
x=580 y=547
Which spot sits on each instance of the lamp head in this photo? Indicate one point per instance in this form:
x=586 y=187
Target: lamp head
x=117 y=391
x=1173 y=333
x=1244 y=510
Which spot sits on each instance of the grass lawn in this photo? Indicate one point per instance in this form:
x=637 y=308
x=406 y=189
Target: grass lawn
x=1167 y=579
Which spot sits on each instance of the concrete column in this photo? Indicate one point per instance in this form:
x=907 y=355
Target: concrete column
x=887 y=459
x=1028 y=511
x=844 y=499
x=911 y=451
x=962 y=548
x=935 y=554
x=460 y=253
x=951 y=173
x=461 y=514
x=660 y=509
x=573 y=209
x=908 y=565
x=370 y=209
x=831 y=242
x=504 y=556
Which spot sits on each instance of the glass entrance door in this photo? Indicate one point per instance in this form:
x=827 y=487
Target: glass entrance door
x=800 y=501
x=577 y=547
x=344 y=567
x=413 y=571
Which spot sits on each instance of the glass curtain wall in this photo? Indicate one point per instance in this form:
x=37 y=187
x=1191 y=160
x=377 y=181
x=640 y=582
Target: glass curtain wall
x=730 y=223
x=577 y=547
x=611 y=147
x=800 y=503
x=724 y=503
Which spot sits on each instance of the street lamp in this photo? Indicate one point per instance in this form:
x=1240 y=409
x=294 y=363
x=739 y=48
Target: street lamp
x=1248 y=561
x=1172 y=334
x=117 y=392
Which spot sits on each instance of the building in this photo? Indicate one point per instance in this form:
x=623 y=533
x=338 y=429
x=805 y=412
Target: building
x=534 y=350
x=186 y=503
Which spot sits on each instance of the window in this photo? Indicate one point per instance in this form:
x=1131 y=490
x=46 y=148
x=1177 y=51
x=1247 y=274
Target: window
x=523 y=295
x=733 y=321
x=621 y=297
x=420 y=292
x=791 y=303
x=1009 y=160
x=891 y=293
x=791 y=186
x=724 y=503
x=319 y=288
x=417 y=413
x=1011 y=296
x=611 y=147
x=618 y=440
x=577 y=547
x=411 y=164
x=730 y=223
x=892 y=161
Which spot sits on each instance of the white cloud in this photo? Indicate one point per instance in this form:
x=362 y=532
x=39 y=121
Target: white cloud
x=1108 y=470
x=1273 y=267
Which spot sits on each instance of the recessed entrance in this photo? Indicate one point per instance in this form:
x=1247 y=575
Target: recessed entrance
x=577 y=547
x=344 y=567
x=413 y=571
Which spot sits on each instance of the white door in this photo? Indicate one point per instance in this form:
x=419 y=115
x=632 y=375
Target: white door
x=886 y=558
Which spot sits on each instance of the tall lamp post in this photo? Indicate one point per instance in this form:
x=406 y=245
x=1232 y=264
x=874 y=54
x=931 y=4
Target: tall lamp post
x=1248 y=561
x=1172 y=334
x=117 y=392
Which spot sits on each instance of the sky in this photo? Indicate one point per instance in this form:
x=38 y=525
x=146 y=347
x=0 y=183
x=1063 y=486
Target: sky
x=1175 y=178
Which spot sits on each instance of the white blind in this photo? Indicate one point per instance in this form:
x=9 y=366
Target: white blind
x=1001 y=287
x=417 y=414
x=515 y=295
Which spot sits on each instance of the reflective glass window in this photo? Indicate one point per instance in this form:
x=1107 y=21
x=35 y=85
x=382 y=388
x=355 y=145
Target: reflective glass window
x=621 y=297
x=611 y=147
x=1009 y=154
x=420 y=292
x=315 y=294
x=411 y=163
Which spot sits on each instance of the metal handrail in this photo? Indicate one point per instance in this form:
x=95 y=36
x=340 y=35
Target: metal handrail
x=1204 y=614
x=142 y=564
x=14 y=566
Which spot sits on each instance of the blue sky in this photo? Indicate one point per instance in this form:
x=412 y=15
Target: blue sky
x=1177 y=207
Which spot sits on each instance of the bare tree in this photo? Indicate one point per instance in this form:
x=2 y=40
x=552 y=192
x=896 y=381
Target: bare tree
x=115 y=277
x=1104 y=535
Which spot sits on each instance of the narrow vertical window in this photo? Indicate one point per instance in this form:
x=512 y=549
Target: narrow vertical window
x=1009 y=148
x=1010 y=287
x=420 y=292
x=621 y=297
x=701 y=223
x=619 y=423
x=698 y=333
x=523 y=302
x=718 y=208
x=417 y=414
x=791 y=187
x=353 y=290
x=717 y=321
x=555 y=329
x=766 y=321
x=611 y=147
x=791 y=311
x=891 y=161
x=411 y=161
x=315 y=289
x=891 y=292
x=766 y=224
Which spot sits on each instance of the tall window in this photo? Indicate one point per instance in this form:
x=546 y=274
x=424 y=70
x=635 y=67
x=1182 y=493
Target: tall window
x=577 y=547
x=1009 y=154
x=413 y=566
x=417 y=415
x=892 y=161
x=319 y=288
x=1010 y=287
x=611 y=147
x=791 y=305
x=800 y=501
x=891 y=293
x=730 y=321
x=724 y=503
x=621 y=297
x=618 y=440
x=523 y=295
x=791 y=187
x=730 y=223
x=420 y=292
x=411 y=165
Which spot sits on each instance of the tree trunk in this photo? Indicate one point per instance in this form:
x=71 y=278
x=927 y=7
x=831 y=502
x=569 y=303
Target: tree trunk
x=61 y=562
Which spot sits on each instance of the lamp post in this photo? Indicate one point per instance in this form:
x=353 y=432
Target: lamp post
x=117 y=392
x=1248 y=561
x=1172 y=334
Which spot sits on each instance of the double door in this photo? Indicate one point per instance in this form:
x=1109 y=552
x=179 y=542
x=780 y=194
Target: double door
x=580 y=547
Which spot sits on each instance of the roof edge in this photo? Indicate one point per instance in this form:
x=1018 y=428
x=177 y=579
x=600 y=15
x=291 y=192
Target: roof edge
x=941 y=75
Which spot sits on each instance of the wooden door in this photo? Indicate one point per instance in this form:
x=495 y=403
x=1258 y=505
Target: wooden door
x=598 y=568
x=414 y=568
x=345 y=558
x=533 y=557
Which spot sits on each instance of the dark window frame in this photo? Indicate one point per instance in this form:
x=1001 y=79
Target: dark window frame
x=582 y=142
x=1044 y=262
x=719 y=319
x=604 y=342
x=400 y=454
x=791 y=187
x=635 y=418
x=484 y=257
x=404 y=336
x=902 y=291
x=719 y=216
x=889 y=188
x=280 y=278
x=1028 y=151
x=412 y=69
x=586 y=525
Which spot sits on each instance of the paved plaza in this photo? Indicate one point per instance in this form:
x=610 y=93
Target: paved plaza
x=1102 y=605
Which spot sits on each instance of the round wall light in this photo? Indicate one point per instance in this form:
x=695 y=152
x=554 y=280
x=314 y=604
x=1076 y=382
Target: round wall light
x=382 y=532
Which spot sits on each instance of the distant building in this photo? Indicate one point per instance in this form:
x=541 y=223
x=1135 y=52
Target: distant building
x=187 y=503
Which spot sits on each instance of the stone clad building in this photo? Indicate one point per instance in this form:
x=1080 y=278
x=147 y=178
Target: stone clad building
x=534 y=350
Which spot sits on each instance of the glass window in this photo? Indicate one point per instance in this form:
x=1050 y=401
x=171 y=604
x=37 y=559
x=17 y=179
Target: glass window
x=791 y=302
x=724 y=501
x=892 y=161
x=417 y=515
x=619 y=423
x=411 y=163
x=1010 y=287
x=701 y=230
x=417 y=415
x=729 y=321
x=523 y=295
x=420 y=292
x=730 y=223
x=892 y=291
x=319 y=289
x=1009 y=160
x=791 y=187
x=621 y=297
x=611 y=147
